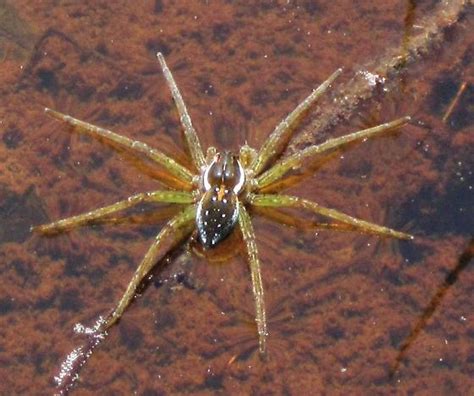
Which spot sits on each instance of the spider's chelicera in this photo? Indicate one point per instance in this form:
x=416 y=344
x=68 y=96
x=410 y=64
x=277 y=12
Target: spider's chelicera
x=220 y=190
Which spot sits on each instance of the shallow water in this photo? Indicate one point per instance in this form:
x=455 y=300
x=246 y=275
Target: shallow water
x=341 y=306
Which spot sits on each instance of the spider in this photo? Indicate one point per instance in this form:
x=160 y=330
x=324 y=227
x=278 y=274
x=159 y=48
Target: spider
x=219 y=191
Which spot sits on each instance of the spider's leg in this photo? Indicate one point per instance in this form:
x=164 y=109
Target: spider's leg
x=178 y=197
x=286 y=219
x=257 y=286
x=168 y=163
x=190 y=134
x=174 y=231
x=287 y=201
x=275 y=143
x=296 y=160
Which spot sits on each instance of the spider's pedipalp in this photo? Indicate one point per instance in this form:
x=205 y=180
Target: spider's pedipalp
x=247 y=155
x=287 y=201
x=177 y=197
x=296 y=160
x=168 y=163
x=277 y=140
x=190 y=134
x=256 y=275
x=210 y=154
x=174 y=231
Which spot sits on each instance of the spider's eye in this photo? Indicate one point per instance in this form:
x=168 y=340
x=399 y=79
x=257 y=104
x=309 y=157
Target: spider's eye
x=214 y=175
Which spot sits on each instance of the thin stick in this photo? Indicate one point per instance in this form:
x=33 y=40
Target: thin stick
x=455 y=101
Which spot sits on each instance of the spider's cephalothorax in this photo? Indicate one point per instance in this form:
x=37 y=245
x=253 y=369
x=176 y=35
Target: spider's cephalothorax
x=226 y=185
x=218 y=209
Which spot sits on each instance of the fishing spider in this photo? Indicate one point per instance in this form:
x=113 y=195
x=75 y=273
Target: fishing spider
x=219 y=191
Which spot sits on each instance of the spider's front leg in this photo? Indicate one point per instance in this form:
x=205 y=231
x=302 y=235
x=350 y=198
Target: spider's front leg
x=190 y=134
x=277 y=140
x=287 y=201
x=177 y=197
x=257 y=285
x=174 y=231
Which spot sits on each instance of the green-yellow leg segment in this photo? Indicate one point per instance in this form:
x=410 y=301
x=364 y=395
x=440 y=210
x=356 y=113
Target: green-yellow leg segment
x=274 y=214
x=173 y=232
x=282 y=133
x=168 y=163
x=177 y=197
x=257 y=285
x=296 y=160
x=190 y=134
x=282 y=201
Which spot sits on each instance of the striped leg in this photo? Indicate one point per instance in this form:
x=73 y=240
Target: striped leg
x=257 y=285
x=282 y=201
x=282 y=133
x=296 y=160
x=89 y=217
x=190 y=134
x=172 y=232
x=83 y=127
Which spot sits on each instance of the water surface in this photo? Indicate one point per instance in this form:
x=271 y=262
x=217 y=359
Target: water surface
x=340 y=305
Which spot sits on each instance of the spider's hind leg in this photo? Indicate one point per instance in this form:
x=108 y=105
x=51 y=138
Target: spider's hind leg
x=174 y=231
x=257 y=285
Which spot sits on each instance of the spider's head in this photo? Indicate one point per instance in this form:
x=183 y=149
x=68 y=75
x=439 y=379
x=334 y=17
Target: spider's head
x=224 y=170
x=218 y=208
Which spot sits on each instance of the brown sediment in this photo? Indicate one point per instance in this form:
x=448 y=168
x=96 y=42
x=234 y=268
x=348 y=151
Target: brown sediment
x=339 y=304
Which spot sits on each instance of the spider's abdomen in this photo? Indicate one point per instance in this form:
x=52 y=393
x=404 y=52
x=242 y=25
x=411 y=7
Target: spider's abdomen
x=218 y=208
x=216 y=217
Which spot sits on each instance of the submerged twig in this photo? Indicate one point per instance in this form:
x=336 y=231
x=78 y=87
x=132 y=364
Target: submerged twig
x=464 y=259
x=71 y=365
x=380 y=71
x=455 y=101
